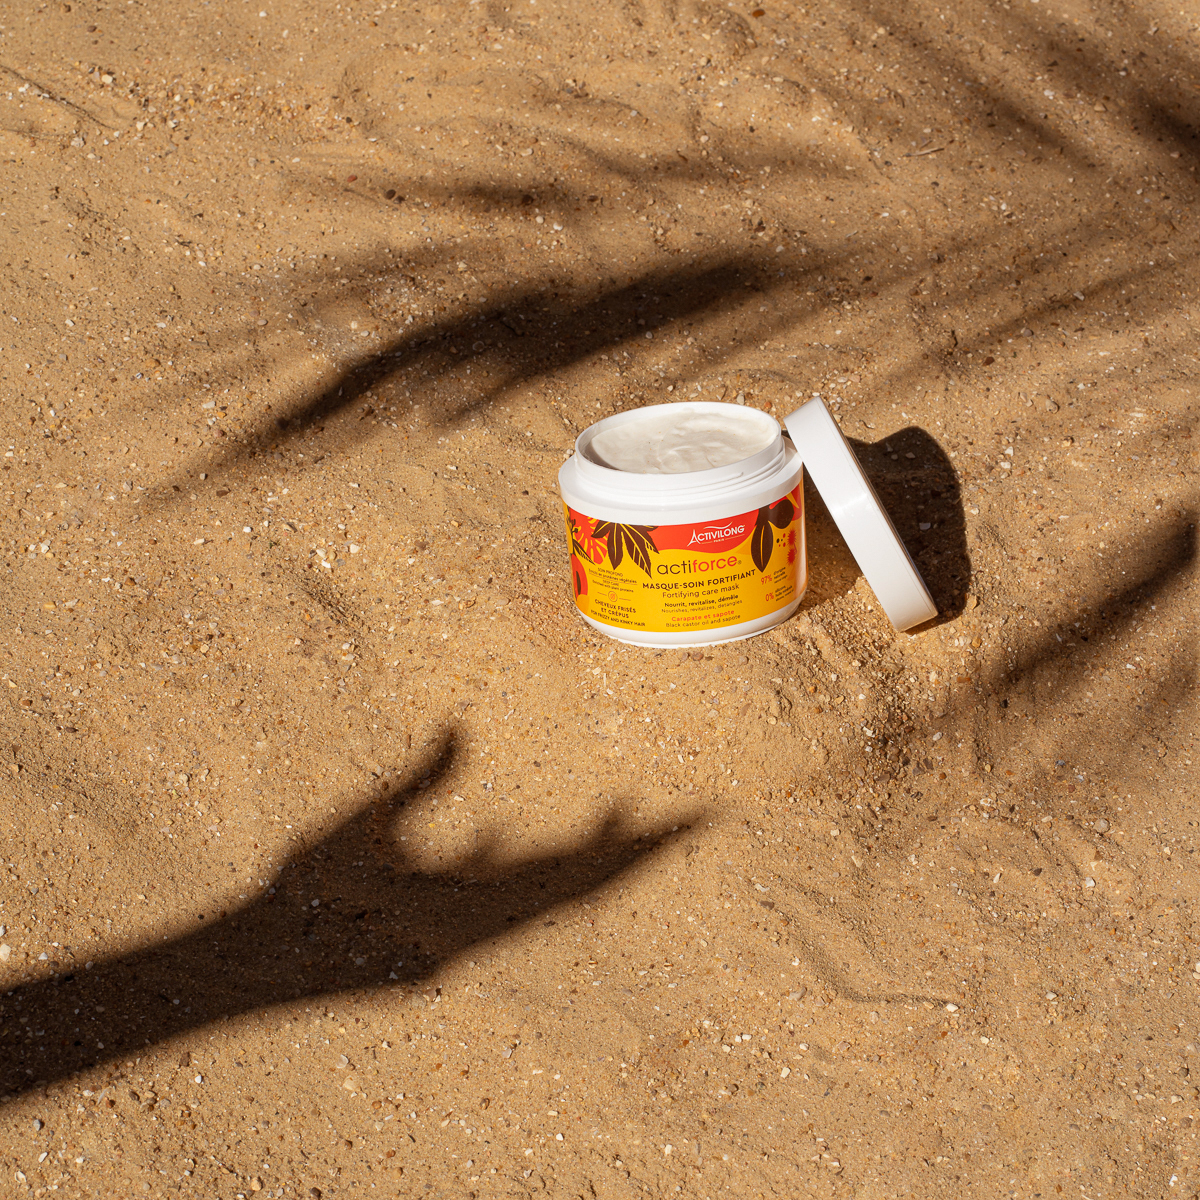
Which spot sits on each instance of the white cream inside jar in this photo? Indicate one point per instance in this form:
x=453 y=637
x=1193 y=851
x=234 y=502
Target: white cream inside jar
x=675 y=439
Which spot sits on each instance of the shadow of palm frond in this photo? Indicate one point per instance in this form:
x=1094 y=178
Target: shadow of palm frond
x=1146 y=85
x=905 y=811
x=1042 y=665
x=1092 y=637
x=1048 y=673
x=548 y=324
x=1162 y=561
x=541 y=335
x=347 y=914
x=537 y=332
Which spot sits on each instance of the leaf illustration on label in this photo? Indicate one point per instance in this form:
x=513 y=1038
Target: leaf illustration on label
x=782 y=513
x=639 y=544
x=610 y=531
x=632 y=539
x=640 y=593
x=762 y=541
x=579 y=578
x=573 y=531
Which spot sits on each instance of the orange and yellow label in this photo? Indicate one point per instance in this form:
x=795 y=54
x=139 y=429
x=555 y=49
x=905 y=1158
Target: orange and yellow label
x=688 y=578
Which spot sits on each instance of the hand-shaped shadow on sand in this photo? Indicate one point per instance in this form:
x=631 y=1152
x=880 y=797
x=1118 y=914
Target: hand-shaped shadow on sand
x=375 y=925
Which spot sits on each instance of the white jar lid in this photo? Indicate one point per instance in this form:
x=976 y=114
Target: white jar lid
x=860 y=516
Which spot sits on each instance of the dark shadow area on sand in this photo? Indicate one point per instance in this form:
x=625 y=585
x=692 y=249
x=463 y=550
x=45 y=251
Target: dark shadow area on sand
x=1049 y=679
x=345 y=914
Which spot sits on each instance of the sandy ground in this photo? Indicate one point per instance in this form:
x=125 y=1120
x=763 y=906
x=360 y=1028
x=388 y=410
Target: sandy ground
x=339 y=855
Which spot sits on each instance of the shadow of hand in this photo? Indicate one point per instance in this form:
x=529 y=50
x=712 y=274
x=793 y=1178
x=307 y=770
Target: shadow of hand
x=343 y=915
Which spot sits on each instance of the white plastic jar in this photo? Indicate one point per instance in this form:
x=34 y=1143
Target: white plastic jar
x=669 y=555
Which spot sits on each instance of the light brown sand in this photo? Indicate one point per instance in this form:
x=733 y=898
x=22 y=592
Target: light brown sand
x=340 y=858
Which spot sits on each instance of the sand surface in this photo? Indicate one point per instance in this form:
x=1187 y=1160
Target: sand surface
x=340 y=858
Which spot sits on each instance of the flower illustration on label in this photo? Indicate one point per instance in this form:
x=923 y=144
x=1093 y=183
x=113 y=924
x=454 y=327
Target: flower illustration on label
x=584 y=542
x=584 y=549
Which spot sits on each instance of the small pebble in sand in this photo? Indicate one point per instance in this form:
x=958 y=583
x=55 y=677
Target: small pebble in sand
x=1101 y=826
x=952 y=1008
x=5 y=953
